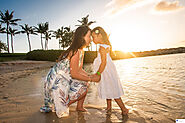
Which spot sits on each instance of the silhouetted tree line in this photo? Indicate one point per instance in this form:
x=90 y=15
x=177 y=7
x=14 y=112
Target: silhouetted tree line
x=63 y=34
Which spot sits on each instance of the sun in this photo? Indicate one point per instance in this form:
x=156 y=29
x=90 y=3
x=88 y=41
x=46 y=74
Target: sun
x=131 y=41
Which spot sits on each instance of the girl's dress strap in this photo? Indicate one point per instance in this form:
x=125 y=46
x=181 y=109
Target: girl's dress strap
x=104 y=45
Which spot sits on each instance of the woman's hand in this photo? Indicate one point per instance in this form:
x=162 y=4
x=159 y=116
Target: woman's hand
x=95 y=78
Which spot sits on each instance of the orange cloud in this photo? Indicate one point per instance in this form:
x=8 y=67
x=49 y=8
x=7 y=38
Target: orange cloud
x=118 y=5
x=168 y=6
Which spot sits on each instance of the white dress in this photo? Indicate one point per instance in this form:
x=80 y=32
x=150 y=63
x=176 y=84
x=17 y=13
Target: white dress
x=109 y=86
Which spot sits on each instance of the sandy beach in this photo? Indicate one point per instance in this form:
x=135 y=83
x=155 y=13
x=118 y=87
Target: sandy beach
x=21 y=95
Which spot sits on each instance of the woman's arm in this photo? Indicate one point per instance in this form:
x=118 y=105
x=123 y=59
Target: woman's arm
x=103 y=55
x=81 y=70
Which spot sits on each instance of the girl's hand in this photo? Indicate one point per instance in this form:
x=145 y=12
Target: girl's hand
x=95 y=78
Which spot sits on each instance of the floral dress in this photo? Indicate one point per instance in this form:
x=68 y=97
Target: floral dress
x=60 y=88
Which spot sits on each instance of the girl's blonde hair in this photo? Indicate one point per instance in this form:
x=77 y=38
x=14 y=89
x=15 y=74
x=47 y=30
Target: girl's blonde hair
x=99 y=30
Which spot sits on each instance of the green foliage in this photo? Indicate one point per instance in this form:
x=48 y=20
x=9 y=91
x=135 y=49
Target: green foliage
x=65 y=36
x=3 y=46
x=89 y=56
x=52 y=55
x=44 y=55
x=12 y=56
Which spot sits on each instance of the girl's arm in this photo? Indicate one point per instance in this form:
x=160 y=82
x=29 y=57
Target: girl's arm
x=103 y=55
x=75 y=70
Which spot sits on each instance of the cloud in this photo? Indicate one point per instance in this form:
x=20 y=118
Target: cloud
x=160 y=6
x=165 y=6
x=116 y=6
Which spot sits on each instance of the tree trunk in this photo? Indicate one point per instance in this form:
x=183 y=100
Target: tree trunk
x=59 y=43
x=29 y=42
x=12 y=43
x=42 y=42
x=45 y=44
x=8 y=38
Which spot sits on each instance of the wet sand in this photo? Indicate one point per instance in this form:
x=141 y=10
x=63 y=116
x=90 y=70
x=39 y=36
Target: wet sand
x=21 y=95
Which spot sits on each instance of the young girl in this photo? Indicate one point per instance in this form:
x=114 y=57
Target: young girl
x=66 y=81
x=110 y=86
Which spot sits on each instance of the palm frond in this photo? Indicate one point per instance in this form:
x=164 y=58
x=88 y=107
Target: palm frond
x=85 y=21
x=15 y=20
x=67 y=28
x=12 y=23
x=91 y=22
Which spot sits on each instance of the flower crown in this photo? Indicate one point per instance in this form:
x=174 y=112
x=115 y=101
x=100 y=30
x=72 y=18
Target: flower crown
x=97 y=31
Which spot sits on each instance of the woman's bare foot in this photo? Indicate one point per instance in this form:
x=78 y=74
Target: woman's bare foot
x=125 y=111
x=81 y=109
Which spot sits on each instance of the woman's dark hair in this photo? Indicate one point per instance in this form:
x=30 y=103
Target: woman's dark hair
x=77 y=43
x=99 y=30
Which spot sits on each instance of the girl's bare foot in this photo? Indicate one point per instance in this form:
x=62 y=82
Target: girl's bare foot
x=81 y=109
x=125 y=111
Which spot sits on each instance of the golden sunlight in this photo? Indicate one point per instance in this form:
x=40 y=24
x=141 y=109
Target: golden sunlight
x=131 y=40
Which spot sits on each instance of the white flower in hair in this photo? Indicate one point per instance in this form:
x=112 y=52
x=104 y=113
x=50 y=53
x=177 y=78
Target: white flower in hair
x=97 y=31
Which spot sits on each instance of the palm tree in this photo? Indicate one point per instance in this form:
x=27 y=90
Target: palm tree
x=7 y=18
x=47 y=37
x=28 y=30
x=13 y=32
x=85 y=21
x=66 y=38
x=58 y=34
x=42 y=28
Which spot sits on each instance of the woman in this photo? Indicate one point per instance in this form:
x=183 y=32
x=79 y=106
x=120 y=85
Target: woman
x=66 y=82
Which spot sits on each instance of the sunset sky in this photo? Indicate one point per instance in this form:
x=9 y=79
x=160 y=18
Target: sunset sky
x=133 y=25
